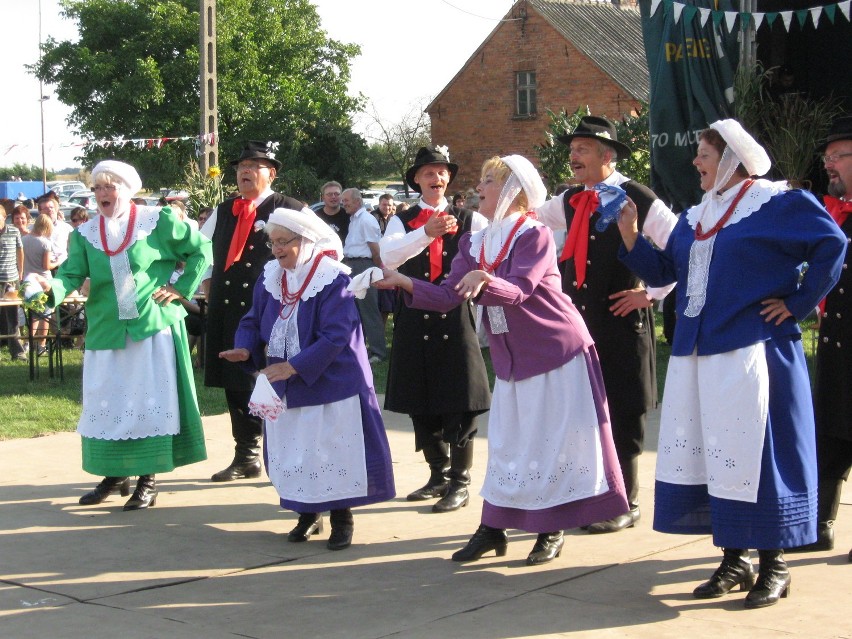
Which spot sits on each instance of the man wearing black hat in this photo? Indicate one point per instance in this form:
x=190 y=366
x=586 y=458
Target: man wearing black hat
x=832 y=398
x=613 y=302
x=436 y=374
x=239 y=255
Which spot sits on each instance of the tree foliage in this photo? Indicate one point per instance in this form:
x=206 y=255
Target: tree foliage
x=25 y=172
x=398 y=142
x=554 y=156
x=133 y=73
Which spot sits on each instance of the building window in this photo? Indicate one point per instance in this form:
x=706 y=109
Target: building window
x=526 y=93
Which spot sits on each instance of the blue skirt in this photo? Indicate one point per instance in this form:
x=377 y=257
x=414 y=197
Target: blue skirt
x=785 y=513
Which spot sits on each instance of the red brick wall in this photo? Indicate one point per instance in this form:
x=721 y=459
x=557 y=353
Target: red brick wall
x=475 y=116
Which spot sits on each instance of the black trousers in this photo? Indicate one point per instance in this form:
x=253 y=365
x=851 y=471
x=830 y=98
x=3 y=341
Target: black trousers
x=455 y=429
x=245 y=428
x=834 y=457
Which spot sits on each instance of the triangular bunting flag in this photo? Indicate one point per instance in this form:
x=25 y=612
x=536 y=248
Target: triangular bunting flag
x=844 y=8
x=815 y=14
x=770 y=18
x=678 y=9
x=829 y=11
x=787 y=17
x=758 y=20
x=802 y=15
x=730 y=20
x=689 y=13
x=745 y=20
x=718 y=16
x=654 y=5
x=705 y=13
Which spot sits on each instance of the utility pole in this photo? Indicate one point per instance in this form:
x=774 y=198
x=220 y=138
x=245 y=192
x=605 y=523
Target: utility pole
x=41 y=98
x=209 y=129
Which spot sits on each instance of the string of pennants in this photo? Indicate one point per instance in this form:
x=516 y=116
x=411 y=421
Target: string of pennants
x=120 y=143
x=745 y=19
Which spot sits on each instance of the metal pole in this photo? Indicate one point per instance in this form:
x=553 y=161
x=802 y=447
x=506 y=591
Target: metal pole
x=41 y=98
x=209 y=129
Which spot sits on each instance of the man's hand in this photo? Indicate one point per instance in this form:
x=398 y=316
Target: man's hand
x=629 y=301
x=439 y=224
x=235 y=355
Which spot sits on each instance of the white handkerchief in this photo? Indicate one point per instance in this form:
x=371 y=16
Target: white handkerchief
x=264 y=401
x=360 y=283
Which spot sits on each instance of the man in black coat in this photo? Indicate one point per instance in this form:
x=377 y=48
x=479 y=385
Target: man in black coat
x=832 y=396
x=239 y=255
x=436 y=374
x=614 y=303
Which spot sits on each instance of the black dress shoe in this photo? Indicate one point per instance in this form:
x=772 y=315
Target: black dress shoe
x=456 y=497
x=824 y=541
x=341 y=537
x=239 y=470
x=547 y=547
x=104 y=489
x=773 y=580
x=432 y=490
x=145 y=495
x=627 y=520
x=309 y=524
x=484 y=540
x=735 y=570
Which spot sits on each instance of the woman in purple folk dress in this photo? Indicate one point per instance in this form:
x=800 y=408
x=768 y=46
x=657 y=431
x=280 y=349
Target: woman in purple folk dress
x=327 y=449
x=551 y=461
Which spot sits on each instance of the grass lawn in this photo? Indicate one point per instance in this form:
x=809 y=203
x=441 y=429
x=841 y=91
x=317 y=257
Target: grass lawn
x=44 y=406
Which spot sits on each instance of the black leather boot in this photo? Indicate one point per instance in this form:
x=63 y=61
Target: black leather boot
x=342 y=527
x=461 y=459
x=735 y=570
x=246 y=464
x=145 y=495
x=773 y=580
x=547 y=547
x=828 y=502
x=103 y=490
x=437 y=455
x=630 y=472
x=484 y=540
x=308 y=524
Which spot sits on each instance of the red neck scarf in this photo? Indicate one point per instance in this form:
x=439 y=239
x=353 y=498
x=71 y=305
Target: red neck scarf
x=584 y=204
x=244 y=211
x=838 y=209
x=436 y=248
x=504 y=250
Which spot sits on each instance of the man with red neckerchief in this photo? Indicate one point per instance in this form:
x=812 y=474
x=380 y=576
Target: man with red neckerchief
x=436 y=373
x=832 y=399
x=614 y=303
x=239 y=255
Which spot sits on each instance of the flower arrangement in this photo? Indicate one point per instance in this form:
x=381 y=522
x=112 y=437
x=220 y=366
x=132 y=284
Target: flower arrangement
x=204 y=188
x=32 y=301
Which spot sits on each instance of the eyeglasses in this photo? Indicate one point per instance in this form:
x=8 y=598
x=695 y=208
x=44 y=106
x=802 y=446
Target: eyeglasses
x=832 y=159
x=103 y=187
x=281 y=243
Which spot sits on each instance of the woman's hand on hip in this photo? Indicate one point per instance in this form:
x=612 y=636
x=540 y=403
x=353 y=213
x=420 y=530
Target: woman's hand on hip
x=775 y=309
x=166 y=295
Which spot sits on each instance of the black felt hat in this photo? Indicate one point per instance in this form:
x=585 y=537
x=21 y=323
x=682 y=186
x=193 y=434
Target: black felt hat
x=841 y=129
x=430 y=155
x=257 y=150
x=599 y=129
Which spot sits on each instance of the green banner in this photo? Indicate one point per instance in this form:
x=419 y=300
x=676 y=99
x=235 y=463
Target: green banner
x=692 y=73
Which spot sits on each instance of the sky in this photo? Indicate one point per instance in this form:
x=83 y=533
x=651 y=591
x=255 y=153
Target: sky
x=385 y=72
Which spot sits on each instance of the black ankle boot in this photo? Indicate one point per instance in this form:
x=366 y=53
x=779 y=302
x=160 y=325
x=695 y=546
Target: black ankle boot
x=438 y=458
x=484 y=539
x=342 y=527
x=461 y=459
x=735 y=570
x=145 y=495
x=103 y=490
x=773 y=580
x=828 y=503
x=630 y=472
x=309 y=524
x=547 y=547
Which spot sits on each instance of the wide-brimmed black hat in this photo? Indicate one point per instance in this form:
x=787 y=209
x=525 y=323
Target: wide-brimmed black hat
x=841 y=129
x=257 y=150
x=430 y=155
x=599 y=129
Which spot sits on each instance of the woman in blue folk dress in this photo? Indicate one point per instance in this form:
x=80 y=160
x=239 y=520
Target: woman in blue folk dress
x=325 y=445
x=737 y=453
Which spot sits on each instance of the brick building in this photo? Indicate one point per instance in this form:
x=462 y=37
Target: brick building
x=544 y=54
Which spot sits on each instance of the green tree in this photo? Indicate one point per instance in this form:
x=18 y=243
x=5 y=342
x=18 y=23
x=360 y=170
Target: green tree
x=25 y=172
x=133 y=73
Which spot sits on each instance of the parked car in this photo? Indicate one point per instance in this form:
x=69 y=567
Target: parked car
x=65 y=189
x=86 y=199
